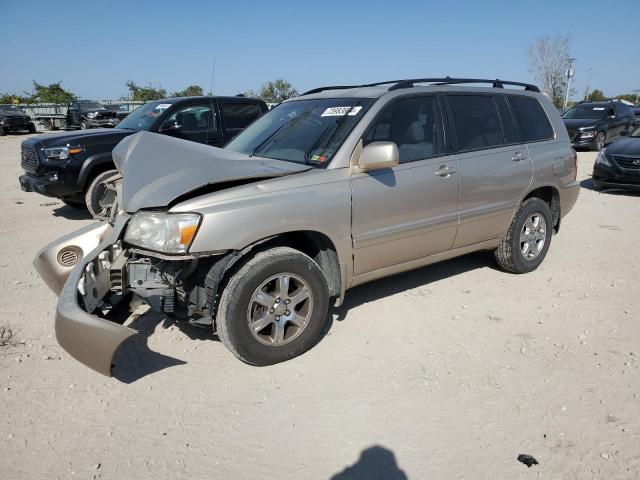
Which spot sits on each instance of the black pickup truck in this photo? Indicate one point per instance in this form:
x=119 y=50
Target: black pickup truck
x=73 y=166
x=12 y=118
x=89 y=114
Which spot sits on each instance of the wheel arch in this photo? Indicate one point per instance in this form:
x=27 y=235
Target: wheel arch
x=93 y=166
x=551 y=196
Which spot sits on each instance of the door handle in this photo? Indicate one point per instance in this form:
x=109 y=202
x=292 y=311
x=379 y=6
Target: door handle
x=444 y=171
x=519 y=156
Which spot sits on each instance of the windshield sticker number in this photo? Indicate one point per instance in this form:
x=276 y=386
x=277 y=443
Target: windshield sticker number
x=162 y=106
x=341 y=111
x=598 y=108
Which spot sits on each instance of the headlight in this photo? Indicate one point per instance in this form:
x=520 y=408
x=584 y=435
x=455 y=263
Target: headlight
x=61 y=153
x=92 y=115
x=587 y=132
x=162 y=232
x=602 y=158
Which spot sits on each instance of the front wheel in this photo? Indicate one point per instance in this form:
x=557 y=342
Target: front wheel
x=274 y=307
x=598 y=142
x=99 y=197
x=528 y=237
x=83 y=125
x=32 y=128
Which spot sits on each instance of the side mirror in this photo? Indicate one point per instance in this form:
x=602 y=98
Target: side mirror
x=624 y=133
x=174 y=127
x=378 y=155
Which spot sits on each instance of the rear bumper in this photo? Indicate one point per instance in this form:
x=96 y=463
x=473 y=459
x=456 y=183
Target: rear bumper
x=569 y=197
x=88 y=338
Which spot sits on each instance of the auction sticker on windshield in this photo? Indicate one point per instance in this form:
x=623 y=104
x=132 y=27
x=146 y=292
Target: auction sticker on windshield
x=163 y=106
x=340 y=111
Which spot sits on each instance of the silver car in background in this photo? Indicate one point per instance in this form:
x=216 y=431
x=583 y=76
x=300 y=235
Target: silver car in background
x=329 y=190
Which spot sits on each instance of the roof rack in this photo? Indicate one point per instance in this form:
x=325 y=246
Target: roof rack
x=410 y=83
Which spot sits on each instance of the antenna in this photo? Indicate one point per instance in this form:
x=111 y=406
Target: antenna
x=213 y=72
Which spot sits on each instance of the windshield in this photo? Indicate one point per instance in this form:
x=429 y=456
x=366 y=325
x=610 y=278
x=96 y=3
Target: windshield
x=10 y=108
x=302 y=131
x=91 y=106
x=586 y=111
x=143 y=117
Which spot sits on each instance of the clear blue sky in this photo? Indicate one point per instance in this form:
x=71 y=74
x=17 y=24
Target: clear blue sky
x=94 y=47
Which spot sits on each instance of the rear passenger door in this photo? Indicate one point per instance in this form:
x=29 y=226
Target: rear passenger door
x=236 y=116
x=409 y=211
x=495 y=167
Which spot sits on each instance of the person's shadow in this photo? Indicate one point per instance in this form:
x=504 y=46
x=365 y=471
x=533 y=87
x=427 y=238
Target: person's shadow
x=375 y=463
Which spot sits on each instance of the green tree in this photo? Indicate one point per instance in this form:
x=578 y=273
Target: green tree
x=145 y=94
x=12 y=98
x=596 y=96
x=190 y=91
x=629 y=97
x=275 y=91
x=53 y=93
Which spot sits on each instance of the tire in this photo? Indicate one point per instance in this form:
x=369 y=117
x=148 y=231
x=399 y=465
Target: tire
x=238 y=308
x=598 y=141
x=3 y=131
x=98 y=198
x=74 y=204
x=83 y=125
x=511 y=254
x=32 y=128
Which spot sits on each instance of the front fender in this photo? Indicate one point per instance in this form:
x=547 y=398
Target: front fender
x=90 y=163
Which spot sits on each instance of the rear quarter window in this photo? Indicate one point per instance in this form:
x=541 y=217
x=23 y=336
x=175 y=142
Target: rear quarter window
x=531 y=118
x=239 y=115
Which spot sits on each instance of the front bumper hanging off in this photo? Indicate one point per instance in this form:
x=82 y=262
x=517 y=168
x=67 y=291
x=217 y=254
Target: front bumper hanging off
x=87 y=337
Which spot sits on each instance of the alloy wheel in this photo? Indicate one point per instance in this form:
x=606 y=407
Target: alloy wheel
x=533 y=236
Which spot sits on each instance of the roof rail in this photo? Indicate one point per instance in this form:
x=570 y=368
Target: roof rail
x=497 y=83
x=410 y=83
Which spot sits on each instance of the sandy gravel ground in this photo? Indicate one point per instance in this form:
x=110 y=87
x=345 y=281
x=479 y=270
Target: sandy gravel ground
x=448 y=372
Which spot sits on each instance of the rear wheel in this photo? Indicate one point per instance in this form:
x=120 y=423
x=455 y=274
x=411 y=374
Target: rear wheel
x=99 y=198
x=528 y=237
x=274 y=307
x=3 y=131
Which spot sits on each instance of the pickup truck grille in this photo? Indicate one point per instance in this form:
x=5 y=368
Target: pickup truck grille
x=630 y=163
x=13 y=121
x=29 y=158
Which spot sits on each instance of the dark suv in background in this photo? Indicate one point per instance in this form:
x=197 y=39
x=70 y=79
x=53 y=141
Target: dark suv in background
x=13 y=118
x=89 y=114
x=73 y=166
x=595 y=124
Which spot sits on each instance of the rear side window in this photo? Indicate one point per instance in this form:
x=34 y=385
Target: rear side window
x=532 y=120
x=239 y=115
x=414 y=125
x=476 y=121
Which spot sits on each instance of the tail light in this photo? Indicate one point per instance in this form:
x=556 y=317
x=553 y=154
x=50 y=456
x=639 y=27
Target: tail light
x=575 y=163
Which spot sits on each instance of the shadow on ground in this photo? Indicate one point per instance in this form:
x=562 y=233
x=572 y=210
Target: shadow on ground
x=134 y=359
x=374 y=463
x=71 y=213
x=587 y=184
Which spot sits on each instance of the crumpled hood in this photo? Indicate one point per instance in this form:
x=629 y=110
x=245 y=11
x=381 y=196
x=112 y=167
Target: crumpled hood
x=157 y=169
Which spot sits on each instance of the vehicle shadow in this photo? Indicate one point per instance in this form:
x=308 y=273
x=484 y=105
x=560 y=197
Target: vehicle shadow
x=71 y=213
x=587 y=184
x=374 y=462
x=401 y=282
x=134 y=359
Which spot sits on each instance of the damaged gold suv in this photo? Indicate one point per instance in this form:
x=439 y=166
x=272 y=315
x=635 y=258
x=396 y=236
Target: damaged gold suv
x=334 y=188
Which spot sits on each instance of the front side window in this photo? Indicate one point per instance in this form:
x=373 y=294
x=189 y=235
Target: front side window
x=302 y=131
x=143 y=117
x=191 y=119
x=414 y=125
x=476 y=121
x=531 y=118
x=239 y=115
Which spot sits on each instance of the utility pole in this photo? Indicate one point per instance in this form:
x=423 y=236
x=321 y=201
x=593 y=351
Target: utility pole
x=569 y=73
x=586 y=92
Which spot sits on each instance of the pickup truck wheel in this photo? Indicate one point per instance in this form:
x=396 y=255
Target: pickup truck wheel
x=3 y=131
x=32 y=128
x=527 y=240
x=274 y=307
x=83 y=125
x=98 y=197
